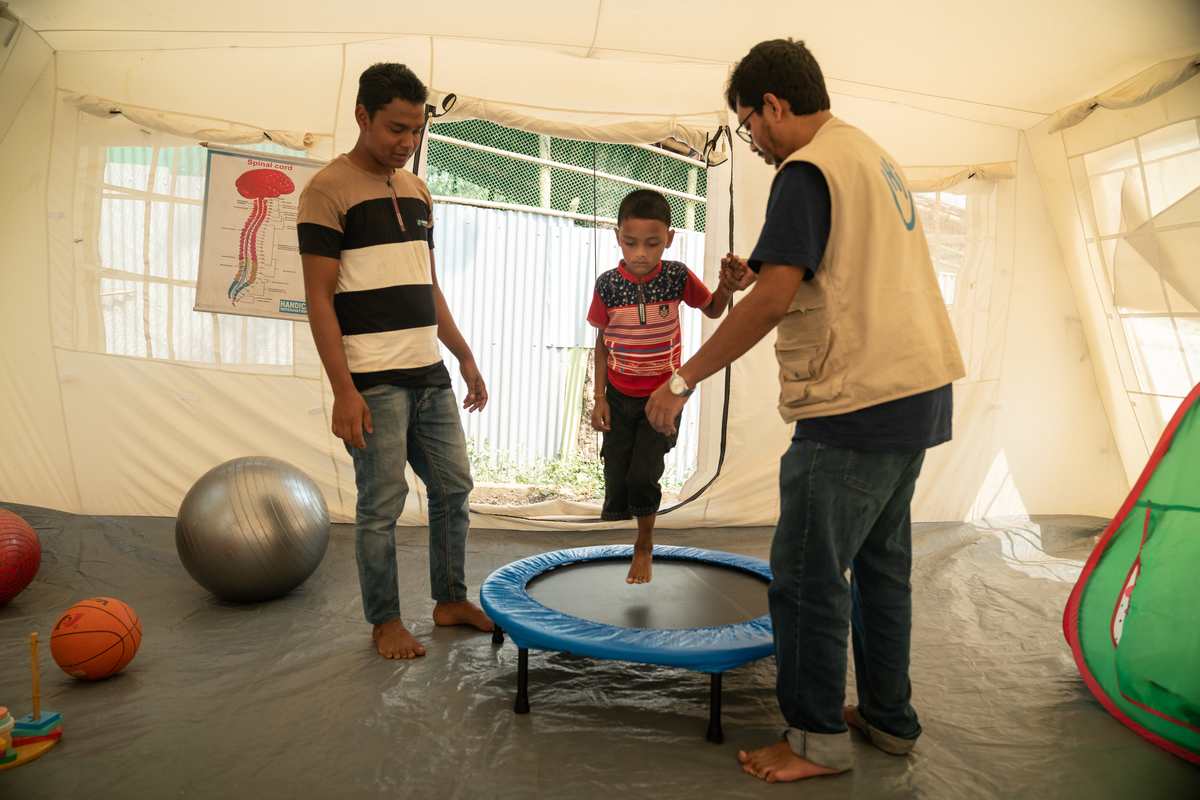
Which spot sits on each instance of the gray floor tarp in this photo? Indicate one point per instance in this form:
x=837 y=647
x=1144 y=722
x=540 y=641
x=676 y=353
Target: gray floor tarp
x=288 y=700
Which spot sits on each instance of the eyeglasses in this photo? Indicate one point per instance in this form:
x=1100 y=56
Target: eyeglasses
x=742 y=132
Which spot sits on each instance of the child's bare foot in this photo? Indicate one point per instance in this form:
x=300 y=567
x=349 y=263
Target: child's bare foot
x=778 y=764
x=640 y=569
x=461 y=612
x=393 y=640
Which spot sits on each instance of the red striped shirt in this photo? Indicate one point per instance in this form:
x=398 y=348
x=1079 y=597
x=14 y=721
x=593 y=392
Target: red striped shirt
x=640 y=320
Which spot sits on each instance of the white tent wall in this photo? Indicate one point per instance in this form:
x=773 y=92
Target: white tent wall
x=1022 y=54
x=1135 y=424
x=1056 y=436
x=36 y=463
x=136 y=433
x=24 y=56
x=284 y=88
x=1030 y=435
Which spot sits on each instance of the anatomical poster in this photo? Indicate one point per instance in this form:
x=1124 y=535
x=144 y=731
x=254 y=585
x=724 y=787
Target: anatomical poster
x=249 y=257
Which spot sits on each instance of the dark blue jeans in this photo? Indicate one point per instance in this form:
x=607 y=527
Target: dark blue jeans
x=420 y=427
x=843 y=510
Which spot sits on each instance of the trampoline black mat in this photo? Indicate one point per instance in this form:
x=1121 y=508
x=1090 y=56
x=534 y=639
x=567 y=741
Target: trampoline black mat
x=682 y=594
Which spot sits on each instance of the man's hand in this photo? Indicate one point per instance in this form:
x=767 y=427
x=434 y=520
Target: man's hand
x=601 y=415
x=477 y=395
x=351 y=417
x=663 y=408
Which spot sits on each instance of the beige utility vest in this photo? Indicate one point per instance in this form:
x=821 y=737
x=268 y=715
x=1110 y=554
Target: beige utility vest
x=871 y=326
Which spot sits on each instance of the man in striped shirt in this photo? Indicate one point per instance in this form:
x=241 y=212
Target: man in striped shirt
x=365 y=229
x=635 y=308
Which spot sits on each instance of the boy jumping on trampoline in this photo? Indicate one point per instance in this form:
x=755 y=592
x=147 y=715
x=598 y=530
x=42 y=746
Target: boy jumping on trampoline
x=635 y=309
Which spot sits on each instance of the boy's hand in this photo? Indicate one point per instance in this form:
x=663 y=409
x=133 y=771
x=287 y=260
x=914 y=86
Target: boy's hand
x=351 y=417
x=601 y=416
x=736 y=274
x=728 y=282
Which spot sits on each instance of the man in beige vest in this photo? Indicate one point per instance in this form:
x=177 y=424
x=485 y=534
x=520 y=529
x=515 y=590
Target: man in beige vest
x=866 y=358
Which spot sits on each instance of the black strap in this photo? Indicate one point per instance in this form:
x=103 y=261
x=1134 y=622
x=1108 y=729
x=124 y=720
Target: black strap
x=431 y=112
x=709 y=146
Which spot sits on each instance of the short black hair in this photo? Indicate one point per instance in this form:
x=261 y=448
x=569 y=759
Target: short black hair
x=382 y=83
x=645 y=204
x=784 y=68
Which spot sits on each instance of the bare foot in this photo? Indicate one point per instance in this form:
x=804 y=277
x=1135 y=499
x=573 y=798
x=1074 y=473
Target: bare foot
x=778 y=764
x=462 y=612
x=393 y=640
x=640 y=569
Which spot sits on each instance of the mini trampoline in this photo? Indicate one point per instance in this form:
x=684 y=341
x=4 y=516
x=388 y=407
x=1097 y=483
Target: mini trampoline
x=704 y=610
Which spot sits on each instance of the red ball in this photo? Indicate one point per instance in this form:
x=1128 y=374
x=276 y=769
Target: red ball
x=20 y=555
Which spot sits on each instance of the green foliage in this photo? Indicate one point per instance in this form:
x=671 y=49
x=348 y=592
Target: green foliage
x=574 y=476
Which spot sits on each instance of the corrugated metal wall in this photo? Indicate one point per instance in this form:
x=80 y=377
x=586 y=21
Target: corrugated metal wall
x=519 y=284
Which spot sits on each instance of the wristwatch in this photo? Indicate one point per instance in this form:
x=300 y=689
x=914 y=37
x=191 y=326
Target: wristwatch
x=678 y=386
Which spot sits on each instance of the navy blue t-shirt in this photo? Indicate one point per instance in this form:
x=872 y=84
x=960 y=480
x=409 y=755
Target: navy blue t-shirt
x=795 y=234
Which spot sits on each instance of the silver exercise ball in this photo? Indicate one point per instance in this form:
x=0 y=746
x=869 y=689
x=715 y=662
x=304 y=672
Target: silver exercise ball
x=252 y=529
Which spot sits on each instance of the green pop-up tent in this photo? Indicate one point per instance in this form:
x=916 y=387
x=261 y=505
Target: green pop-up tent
x=1133 y=619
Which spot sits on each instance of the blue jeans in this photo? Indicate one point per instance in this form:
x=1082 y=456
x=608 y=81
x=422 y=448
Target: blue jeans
x=840 y=510
x=420 y=427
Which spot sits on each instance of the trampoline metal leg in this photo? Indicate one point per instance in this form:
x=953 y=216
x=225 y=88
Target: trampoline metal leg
x=522 y=704
x=715 y=734
x=497 y=635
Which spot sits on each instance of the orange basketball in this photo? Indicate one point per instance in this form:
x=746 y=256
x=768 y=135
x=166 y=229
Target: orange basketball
x=96 y=638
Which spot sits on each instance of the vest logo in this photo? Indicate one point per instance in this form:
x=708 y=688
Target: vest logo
x=901 y=196
x=422 y=223
x=664 y=310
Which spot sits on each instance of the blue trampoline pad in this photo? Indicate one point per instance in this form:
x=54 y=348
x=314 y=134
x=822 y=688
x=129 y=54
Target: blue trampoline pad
x=704 y=610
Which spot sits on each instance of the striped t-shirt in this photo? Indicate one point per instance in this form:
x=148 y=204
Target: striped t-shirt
x=381 y=230
x=640 y=320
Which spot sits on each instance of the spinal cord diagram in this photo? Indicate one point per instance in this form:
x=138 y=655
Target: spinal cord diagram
x=260 y=186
